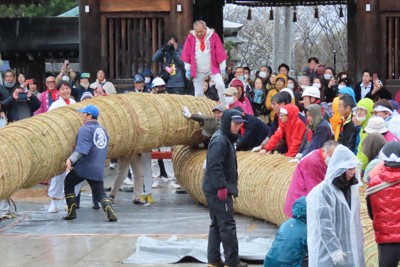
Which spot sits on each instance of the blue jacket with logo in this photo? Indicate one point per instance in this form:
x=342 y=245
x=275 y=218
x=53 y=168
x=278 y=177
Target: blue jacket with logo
x=92 y=143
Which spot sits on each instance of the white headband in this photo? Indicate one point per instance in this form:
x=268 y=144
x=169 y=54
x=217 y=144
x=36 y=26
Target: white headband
x=382 y=109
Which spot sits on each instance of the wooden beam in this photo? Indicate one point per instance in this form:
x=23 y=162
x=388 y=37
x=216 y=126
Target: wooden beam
x=136 y=5
x=90 y=36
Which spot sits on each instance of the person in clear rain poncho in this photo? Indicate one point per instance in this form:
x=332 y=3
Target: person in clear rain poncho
x=334 y=229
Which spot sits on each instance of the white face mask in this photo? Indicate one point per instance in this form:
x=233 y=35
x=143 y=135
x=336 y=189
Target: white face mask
x=361 y=119
x=262 y=74
x=229 y=100
x=303 y=87
x=246 y=76
x=147 y=80
x=317 y=85
x=341 y=86
x=327 y=76
x=290 y=86
x=242 y=78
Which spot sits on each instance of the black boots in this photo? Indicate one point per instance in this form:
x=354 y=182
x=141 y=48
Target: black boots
x=106 y=204
x=71 y=202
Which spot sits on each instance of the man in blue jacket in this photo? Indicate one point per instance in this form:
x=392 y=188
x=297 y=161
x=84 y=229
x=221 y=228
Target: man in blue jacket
x=87 y=163
x=220 y=187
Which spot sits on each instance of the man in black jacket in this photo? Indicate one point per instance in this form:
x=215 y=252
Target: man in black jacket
x=219 y=187
x=253 y=132
x=348 y=132
x=20 y=105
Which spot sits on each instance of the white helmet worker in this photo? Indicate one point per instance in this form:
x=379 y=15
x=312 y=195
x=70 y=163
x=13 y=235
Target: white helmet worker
x=312 y=91
x=157 y=82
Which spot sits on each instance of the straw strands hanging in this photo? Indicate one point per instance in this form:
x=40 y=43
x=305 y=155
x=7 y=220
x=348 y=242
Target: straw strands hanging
x=35 y=149
x=263 y=184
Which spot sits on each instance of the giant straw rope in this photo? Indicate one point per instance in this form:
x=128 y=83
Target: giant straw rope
x=35 y=149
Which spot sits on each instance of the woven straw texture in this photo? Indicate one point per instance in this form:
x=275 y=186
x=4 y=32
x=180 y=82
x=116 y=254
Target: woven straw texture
x=263 y=184
x=36 y=149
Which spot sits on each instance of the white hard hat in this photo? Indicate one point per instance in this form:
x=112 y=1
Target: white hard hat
x=312 y=91
x=157 y=82
x=287 y=90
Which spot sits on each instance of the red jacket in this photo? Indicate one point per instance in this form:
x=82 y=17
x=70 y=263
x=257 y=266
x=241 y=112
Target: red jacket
x=385 y=206
x=292 y=130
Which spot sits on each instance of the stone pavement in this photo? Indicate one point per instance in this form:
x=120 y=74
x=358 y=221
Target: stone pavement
x=38 y=238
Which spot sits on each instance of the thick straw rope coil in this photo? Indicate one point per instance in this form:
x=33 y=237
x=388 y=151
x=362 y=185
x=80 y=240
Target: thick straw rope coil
x=263 y=185
x=35 y=149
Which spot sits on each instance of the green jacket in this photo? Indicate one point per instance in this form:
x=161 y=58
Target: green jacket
x=369 y=105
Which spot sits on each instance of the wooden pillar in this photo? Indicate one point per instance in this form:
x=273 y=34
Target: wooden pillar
x=211 y=11
x=90 y=36
x=179 y=23
x=352 y=39
x=364 y=35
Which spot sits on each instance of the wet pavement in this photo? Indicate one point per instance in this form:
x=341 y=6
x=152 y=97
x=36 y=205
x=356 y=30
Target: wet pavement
x=39 y=238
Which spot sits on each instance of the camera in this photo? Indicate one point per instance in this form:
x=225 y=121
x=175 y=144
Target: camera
x=22 y=97
x=168 y=47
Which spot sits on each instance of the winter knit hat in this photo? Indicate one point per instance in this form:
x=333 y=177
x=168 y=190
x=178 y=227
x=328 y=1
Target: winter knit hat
x=390 y=154
x=236 y=83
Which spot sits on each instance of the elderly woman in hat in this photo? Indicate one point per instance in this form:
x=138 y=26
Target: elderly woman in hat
x=241 y=98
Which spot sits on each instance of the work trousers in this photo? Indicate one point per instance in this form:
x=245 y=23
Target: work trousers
x=198 y=83
x=138 y=171
x=389 y=254
x=72 y=179
x=222 y=229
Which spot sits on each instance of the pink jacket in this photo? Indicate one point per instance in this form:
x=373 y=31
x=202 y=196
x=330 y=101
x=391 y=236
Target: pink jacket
x=389 y=136
x=44 y=99
x=246 y=106
x=309 y=172
x=217 y=50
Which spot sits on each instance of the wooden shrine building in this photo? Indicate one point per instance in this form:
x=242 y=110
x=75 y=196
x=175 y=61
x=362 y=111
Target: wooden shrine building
x=120 y=36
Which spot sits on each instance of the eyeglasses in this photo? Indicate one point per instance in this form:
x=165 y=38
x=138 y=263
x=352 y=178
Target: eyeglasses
x=51 y=82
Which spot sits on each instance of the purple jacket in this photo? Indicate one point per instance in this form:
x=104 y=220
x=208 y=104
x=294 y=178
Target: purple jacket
x=309 y=172
x=217 y=51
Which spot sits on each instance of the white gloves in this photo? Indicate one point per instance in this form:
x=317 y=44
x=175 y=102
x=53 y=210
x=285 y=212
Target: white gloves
x=186 y=112
x=338 y=257
x=298 y=156
x=294 y=160
x=256 y=149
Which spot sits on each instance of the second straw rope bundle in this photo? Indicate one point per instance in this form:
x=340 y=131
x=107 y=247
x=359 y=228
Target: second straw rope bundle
x=263 y=185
